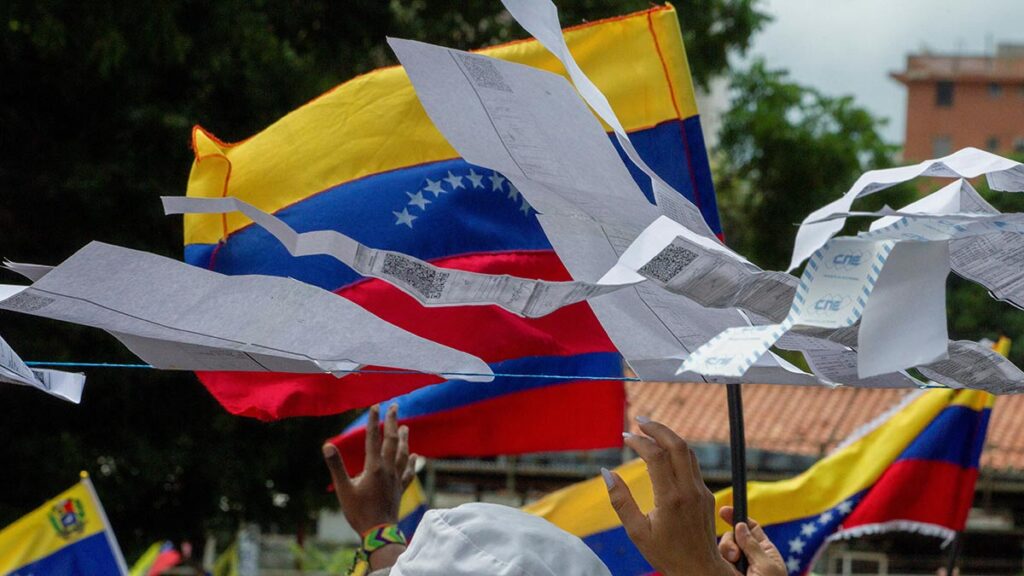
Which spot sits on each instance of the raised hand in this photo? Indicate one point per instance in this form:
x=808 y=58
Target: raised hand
x=373 y=498
x=678 y=536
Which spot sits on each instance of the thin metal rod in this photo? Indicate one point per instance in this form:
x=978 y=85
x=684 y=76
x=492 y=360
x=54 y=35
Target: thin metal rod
x=738 y=452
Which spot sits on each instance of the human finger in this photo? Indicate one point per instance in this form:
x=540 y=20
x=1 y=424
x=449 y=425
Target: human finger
x=389 y=448
x=402 y=458
x=728 y=548
x=751 y=546
x=659 y=467
x=373 y=437
x=679 y=451
x=409 y=472
x=635 y=522
x=339 y=476
x=726 y=513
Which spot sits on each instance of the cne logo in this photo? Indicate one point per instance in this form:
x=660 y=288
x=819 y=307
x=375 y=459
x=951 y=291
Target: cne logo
x=68 y=517
x=830 y=303
x=846 y=260
x=718 y=360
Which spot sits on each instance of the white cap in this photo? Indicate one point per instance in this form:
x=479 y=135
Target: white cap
x=491 y=540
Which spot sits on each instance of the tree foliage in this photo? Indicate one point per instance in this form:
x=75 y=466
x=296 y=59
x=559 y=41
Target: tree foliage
x=99 y=100
x=785 y=150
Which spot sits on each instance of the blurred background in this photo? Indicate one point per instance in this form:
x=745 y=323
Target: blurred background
x=99 y=100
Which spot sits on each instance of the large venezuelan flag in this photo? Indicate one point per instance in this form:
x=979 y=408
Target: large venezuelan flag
x=67 y=536
x=365 y=159
x=914 y=470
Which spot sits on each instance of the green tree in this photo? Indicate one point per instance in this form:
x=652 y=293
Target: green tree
x=786 y=149
x=99 y=100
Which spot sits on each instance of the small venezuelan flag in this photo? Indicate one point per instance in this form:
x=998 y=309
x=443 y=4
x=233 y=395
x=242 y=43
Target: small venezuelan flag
x=912 y=470
x=67 y=536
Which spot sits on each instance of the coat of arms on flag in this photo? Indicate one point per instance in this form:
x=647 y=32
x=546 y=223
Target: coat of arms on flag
x=68 y=517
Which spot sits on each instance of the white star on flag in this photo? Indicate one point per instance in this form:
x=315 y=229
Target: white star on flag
x=454 y=181
x=435 y=187
x=845 y=507
x=475 y=179
x=513 y=193
x=808 y=529
x=525 y=208
x=404 y=217
x=418 y=200
x=497 y=181
x=826 y=517
x=796 y=546
x=793 y=565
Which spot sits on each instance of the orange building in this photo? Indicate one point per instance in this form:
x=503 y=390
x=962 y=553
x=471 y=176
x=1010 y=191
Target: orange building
x=959 y=101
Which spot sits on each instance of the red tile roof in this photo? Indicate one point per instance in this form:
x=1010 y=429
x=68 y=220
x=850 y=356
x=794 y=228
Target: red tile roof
x=805 y=420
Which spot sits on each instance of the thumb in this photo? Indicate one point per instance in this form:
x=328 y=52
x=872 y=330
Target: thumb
x=751 y=548
x=339 y=476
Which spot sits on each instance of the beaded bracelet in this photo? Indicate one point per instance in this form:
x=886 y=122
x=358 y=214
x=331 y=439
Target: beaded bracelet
x=380 y=536
x=374 y=539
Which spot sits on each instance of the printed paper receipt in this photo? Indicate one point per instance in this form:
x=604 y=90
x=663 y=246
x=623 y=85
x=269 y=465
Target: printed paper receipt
x=177 y=316
x=430 y=285
x=64 y=385
x=832 y=293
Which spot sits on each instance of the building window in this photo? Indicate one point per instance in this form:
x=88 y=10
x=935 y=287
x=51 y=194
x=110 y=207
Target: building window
x=992 y=144
x=944 y=93
x=995 y=90
x=941 y=146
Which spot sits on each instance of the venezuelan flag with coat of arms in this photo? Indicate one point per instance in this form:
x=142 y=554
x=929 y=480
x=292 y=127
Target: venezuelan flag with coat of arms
x=364 y=159
x=67 y=536
x=914 y=469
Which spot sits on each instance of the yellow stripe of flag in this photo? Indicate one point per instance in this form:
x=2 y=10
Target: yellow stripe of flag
x=374 y=122
x=41 y=532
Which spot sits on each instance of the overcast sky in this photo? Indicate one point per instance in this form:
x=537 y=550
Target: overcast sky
x=850 y=46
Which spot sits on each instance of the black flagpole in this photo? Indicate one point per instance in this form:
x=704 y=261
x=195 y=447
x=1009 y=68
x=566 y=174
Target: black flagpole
x=738 y=451
x=954 y=554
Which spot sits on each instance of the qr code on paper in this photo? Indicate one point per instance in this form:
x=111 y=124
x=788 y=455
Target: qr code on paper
x=668 y=263
x=25 y=302
x=483 y=72
x=421 y=278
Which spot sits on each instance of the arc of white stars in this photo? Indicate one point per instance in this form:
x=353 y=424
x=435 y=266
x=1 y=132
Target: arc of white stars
x=477 y=180
x=404 y=217
x=417 y=200
x=454 y=180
